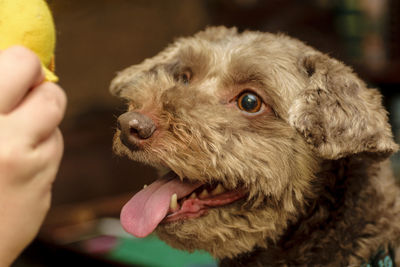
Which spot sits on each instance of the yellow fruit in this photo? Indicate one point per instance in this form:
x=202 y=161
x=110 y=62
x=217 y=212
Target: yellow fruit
x=29 y=23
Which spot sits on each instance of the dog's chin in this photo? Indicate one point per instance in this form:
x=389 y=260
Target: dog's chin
x=224 y=232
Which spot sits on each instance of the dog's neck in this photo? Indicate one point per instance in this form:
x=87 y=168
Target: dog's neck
x=335 y=224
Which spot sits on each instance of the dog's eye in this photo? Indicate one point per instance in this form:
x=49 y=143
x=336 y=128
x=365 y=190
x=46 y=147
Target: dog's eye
x=185 y=77
x=249 y=102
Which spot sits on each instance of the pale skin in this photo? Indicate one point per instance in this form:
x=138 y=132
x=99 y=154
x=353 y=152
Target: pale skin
x=31 y=147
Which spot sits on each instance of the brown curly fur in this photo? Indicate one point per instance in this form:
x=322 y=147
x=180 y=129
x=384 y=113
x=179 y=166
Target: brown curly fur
x=320 y=189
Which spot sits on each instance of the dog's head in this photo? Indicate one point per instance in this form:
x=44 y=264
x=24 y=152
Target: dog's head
x=238 y=124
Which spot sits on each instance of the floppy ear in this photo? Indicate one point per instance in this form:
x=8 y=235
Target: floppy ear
x=337 y=114
x=135 y=73
x=123 y=79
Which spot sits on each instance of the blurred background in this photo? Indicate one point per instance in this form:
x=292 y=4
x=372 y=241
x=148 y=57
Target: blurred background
x=97 y=38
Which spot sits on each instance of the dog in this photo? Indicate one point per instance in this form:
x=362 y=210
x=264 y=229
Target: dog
x=270 y=153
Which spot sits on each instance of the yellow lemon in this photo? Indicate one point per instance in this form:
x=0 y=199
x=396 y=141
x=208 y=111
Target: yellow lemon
x=29 y=23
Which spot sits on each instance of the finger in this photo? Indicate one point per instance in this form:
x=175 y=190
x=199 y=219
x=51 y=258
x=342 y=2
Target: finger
x=24 y=164
x=20 y=70
x=40 y=113
x=49 y=153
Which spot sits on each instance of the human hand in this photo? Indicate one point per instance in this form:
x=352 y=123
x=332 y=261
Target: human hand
x=31 y=148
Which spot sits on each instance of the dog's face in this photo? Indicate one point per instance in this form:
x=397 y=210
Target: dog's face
x=237 y=124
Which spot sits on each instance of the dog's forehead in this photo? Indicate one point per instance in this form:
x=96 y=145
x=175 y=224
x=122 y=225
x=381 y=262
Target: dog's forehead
x=267 y=60
x=211 y=58
x=229 y=60
x=216 y=64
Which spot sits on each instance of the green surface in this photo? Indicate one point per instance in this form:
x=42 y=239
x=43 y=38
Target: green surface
x=152 y=252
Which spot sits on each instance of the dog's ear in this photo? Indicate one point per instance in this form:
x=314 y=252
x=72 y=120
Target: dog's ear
x=337 y=114
x=123 y=79
x=134 y=74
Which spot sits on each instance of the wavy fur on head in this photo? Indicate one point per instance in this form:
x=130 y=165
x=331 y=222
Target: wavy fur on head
x=312 y=161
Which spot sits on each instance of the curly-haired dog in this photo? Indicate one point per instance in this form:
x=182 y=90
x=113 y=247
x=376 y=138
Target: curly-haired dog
x=272 y=153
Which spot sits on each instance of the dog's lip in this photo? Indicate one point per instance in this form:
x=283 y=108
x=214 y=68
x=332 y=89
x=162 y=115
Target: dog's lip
x=190 y=208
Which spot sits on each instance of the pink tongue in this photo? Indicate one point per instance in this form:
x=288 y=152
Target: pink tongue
x=141 y=215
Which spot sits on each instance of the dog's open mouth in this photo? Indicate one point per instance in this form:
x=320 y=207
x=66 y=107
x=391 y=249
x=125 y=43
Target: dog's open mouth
x=169 y=199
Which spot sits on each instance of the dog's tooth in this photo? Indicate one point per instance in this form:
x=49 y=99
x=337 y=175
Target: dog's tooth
x=204 y=194
x=193 y=195
x=174 y=202
x=144 y=186
x=218 y=190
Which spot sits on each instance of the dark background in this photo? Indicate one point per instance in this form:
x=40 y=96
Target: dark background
x=96 y=38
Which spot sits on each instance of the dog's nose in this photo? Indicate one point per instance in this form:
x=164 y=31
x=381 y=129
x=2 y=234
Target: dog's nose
x=135 y=127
